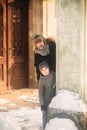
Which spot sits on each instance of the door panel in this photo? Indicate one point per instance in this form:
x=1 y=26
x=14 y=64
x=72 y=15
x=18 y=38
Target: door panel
x=3 y=80
x=18 y=46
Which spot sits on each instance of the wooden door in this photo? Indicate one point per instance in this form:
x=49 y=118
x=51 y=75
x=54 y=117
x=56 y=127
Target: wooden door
x=3 y=65
x=18 y=44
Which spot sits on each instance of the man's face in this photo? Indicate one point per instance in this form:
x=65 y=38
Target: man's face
x=39 y=44
x=45 y=71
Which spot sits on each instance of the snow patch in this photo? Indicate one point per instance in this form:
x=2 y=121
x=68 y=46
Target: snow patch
x=61 y=124
x=68 y=101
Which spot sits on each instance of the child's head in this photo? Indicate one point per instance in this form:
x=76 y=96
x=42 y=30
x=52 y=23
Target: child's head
x=44 y=68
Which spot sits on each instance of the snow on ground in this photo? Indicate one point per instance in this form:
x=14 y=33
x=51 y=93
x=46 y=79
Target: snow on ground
x=33 y=98
x=2 y=101
x=68 y=101
x=24 y=118
x=30 y=118
x=61 y=124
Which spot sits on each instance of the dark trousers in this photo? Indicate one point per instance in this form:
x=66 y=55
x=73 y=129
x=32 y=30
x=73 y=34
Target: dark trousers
x=44 y=118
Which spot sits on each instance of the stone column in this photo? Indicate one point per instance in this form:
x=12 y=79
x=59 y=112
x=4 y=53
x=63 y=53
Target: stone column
x=70 y=45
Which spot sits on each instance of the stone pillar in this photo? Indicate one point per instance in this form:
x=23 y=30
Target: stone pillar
x=85 y=51
x=70 y=45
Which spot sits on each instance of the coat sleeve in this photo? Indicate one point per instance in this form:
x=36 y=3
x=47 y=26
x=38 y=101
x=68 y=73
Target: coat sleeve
x=41 y=93
x=34 y=59
x=52 y=46
x=36 y=62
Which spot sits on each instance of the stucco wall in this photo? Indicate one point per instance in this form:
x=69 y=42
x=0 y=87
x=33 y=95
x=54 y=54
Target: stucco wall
x=35 y=27
x=49 y=18
x=70 y=45
x=85 y=51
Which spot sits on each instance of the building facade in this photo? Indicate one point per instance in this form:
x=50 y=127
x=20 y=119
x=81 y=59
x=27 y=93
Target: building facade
x=64 y=20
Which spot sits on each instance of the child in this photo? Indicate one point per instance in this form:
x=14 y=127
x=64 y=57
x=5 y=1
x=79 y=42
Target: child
x=47 y=89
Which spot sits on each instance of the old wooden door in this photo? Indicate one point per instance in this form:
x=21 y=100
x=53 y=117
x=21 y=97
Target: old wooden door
x=18 y=44
x=3 y=50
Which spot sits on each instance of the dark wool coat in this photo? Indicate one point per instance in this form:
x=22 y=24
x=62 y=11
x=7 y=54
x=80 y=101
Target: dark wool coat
x=50 y=58
x=47 y=89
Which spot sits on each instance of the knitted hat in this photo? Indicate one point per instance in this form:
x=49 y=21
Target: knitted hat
x=43 y=64
x=38 y=38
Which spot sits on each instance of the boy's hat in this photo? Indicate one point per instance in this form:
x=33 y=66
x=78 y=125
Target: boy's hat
x=43 y=64
x=38 y=38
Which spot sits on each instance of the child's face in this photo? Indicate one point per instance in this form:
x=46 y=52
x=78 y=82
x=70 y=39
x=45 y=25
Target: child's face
x=45 y=71
x=40 y=44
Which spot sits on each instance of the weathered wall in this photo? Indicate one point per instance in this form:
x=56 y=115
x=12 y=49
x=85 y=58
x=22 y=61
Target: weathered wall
x=49 y=18
x=70 y=45
x=85 y=51
x=35 y=27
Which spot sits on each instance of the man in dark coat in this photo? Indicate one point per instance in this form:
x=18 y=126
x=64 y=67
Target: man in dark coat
x=45 y=50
